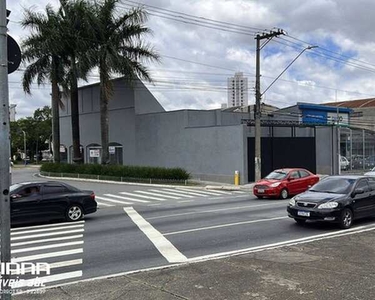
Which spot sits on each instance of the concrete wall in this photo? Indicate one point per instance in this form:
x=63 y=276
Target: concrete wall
x=174 y=139
x=326 y=151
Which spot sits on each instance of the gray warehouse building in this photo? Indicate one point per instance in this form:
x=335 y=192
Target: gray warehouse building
x=210 y=144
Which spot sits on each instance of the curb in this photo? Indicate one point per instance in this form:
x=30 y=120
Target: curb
x=117 y=182
x=208 y=187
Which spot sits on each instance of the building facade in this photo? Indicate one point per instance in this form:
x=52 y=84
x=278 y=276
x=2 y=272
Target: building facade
x=237 y=90
x=210 y=144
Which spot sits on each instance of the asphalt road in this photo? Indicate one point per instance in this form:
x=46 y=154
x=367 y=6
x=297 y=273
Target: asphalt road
x=140 y=227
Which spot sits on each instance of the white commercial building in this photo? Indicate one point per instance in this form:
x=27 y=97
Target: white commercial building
x=237 y=90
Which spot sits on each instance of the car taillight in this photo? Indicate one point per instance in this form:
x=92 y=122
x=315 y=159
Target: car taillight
x=92 y=196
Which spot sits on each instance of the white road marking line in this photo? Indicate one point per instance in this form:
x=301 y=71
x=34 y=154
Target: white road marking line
x=104 y=204
x=293 y=242
x=55 y=265
x=175 y=194
x=127 y=198
x=214 y=210
x=47 y=229
x=199 y=191
x=61 y=238
x=185 y=201
x=50 y=278
x=48 y=225
x=206 y=258
x=17 y=238
x=150 y=197
x=224 y=225
x=141 y=196
x=189 y=193
x=164 y=246
x=114 y=201
x=158 y=194
x=221 y=192
x=47 y=247
x=239 y=192
x=47 y=255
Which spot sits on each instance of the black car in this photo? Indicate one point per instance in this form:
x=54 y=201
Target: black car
x=339 y=199
x=37 y=201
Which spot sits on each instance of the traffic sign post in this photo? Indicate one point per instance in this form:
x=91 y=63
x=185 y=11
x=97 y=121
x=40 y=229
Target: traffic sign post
x=5 y=258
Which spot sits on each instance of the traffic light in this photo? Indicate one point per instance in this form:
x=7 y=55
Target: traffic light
x=8 y=13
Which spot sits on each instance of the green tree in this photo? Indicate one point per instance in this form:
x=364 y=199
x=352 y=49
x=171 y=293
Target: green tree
x=38 y=130
x=118 y=49
x=76 y=40
x=42 y=50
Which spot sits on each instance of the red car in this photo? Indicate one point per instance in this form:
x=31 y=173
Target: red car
x=284 y=182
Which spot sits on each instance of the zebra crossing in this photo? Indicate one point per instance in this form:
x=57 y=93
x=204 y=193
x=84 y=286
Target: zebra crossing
x=157 y=196
x=59 y=247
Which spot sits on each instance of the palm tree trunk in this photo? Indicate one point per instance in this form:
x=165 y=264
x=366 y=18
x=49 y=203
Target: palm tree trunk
x=104 y=122
x=75 y=114
x=55 y=119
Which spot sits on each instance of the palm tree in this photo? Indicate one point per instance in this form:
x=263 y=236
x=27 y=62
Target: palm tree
x=42 y=50
x=118 y=49
x=76 y=41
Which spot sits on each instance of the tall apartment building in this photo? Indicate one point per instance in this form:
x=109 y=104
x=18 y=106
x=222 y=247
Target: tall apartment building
x=237 y=90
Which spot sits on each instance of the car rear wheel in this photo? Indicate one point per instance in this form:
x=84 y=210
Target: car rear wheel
x=284 y=194
x=74 y=213
x=346 y=218
x=300 y=221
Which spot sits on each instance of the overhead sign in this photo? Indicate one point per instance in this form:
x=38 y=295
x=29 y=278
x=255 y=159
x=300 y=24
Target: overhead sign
x=14 y=55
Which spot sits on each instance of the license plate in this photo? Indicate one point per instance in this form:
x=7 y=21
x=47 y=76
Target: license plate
x=303 y=213
x=260 y=190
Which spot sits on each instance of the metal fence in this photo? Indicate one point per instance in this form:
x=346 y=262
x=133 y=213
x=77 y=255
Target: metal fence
x=119 y=179
x=357 y=150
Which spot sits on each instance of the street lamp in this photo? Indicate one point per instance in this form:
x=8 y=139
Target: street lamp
x=287 y=67
x=258 y=97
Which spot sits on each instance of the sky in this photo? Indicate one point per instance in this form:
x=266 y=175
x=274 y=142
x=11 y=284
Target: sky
x=203 y=42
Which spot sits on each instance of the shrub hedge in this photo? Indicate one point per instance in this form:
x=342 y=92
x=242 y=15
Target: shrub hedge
x=118 y=171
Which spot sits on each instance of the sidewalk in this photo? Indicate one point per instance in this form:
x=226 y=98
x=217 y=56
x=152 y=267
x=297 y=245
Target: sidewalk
x=337 y=268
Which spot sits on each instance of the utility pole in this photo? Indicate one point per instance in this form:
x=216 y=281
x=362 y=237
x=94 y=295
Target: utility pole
x=258 y=97
x=4 y=153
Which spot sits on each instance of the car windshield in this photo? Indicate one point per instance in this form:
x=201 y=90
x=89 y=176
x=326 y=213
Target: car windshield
x=277 y=175
x=334 y=185
x=13 y=187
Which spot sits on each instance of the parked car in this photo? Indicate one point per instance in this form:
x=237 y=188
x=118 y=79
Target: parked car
x=284 y=182
x=371 y=173
x=37 y=201
x=344 y=163
x=339 y=199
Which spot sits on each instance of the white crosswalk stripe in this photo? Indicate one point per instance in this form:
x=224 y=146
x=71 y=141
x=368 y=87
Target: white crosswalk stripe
x=127 y=198
x=58 y=245
x=113 y=200
x=150 y=196
x=200 y=191
x=142 y=196
x=173 y=193
x=165 y=196
x=104 y=204
x=189 y=193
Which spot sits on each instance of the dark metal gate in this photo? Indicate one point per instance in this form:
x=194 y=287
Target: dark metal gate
x=282 y=152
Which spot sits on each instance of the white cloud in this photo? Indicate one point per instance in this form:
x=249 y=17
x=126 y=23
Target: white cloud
x=343 y=26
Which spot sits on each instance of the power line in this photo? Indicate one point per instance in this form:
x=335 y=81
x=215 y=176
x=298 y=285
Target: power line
x=201 y=19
